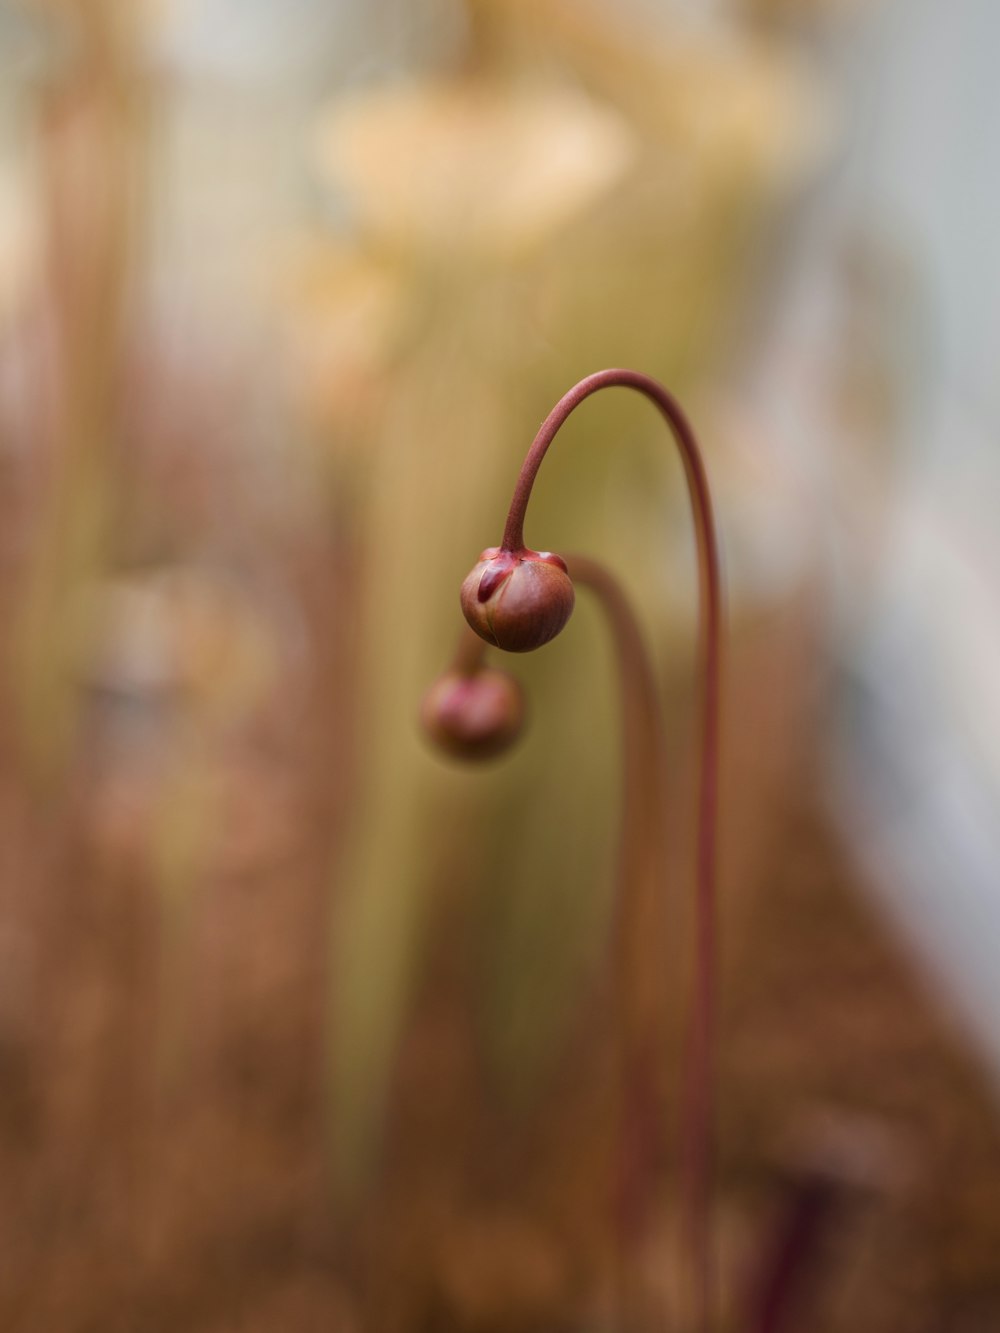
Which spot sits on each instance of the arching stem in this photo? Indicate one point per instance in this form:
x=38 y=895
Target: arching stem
x=644 y=761
x=636 y=986
x=697 y=1158
x=641 y=854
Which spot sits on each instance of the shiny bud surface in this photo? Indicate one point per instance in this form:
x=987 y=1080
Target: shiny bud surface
x=473 y=716
x=518 y=600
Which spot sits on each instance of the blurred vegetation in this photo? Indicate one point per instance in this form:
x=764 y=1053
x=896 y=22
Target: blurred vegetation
x=266 y=376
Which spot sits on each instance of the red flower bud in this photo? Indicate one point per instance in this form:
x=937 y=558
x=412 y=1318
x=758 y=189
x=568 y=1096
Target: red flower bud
x=473 y=716
x=518 y=600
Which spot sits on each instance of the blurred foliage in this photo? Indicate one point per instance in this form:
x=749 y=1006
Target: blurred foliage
x=262 y=400
x=580 y=190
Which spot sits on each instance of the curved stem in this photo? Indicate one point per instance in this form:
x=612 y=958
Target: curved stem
x=640 y=855
x=644 y=760
x=697 y=1162
x=636 y=987
x=644 y=749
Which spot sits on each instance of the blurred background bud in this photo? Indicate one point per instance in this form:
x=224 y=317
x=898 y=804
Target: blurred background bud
x=474 y=715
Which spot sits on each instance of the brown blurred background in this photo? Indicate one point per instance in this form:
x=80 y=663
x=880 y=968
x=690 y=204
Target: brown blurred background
x=303 y=1027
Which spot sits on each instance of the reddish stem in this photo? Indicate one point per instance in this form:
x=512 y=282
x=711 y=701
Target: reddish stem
x=697 y=1161
x=637 y=989
x=641 y=854
x=470 y=653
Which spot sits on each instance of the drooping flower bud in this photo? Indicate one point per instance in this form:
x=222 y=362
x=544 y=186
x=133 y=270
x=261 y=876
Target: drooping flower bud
x=518 y=600
x=475 y=715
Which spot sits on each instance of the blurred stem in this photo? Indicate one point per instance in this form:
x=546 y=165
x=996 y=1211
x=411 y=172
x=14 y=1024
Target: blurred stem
x=470 y=653
x=485 y=39
x=644 y=748
x=91 y=136
x=640 y=856
x=697 y=1164
x=793 y=1254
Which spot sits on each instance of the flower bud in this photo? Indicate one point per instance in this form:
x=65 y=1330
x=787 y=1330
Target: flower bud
x=518 y=600
x=473 y=716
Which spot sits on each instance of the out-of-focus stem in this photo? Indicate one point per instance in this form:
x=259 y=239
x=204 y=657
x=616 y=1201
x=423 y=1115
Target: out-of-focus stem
x=644 y=769
x=697 y=1156
x=641 y=853
x=469 y=654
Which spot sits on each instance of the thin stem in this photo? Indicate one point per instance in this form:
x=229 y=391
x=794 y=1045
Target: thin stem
x=644 y=761
x=641 y=855
x=794 y=1253
x=469 y=654
x=697 y=1161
